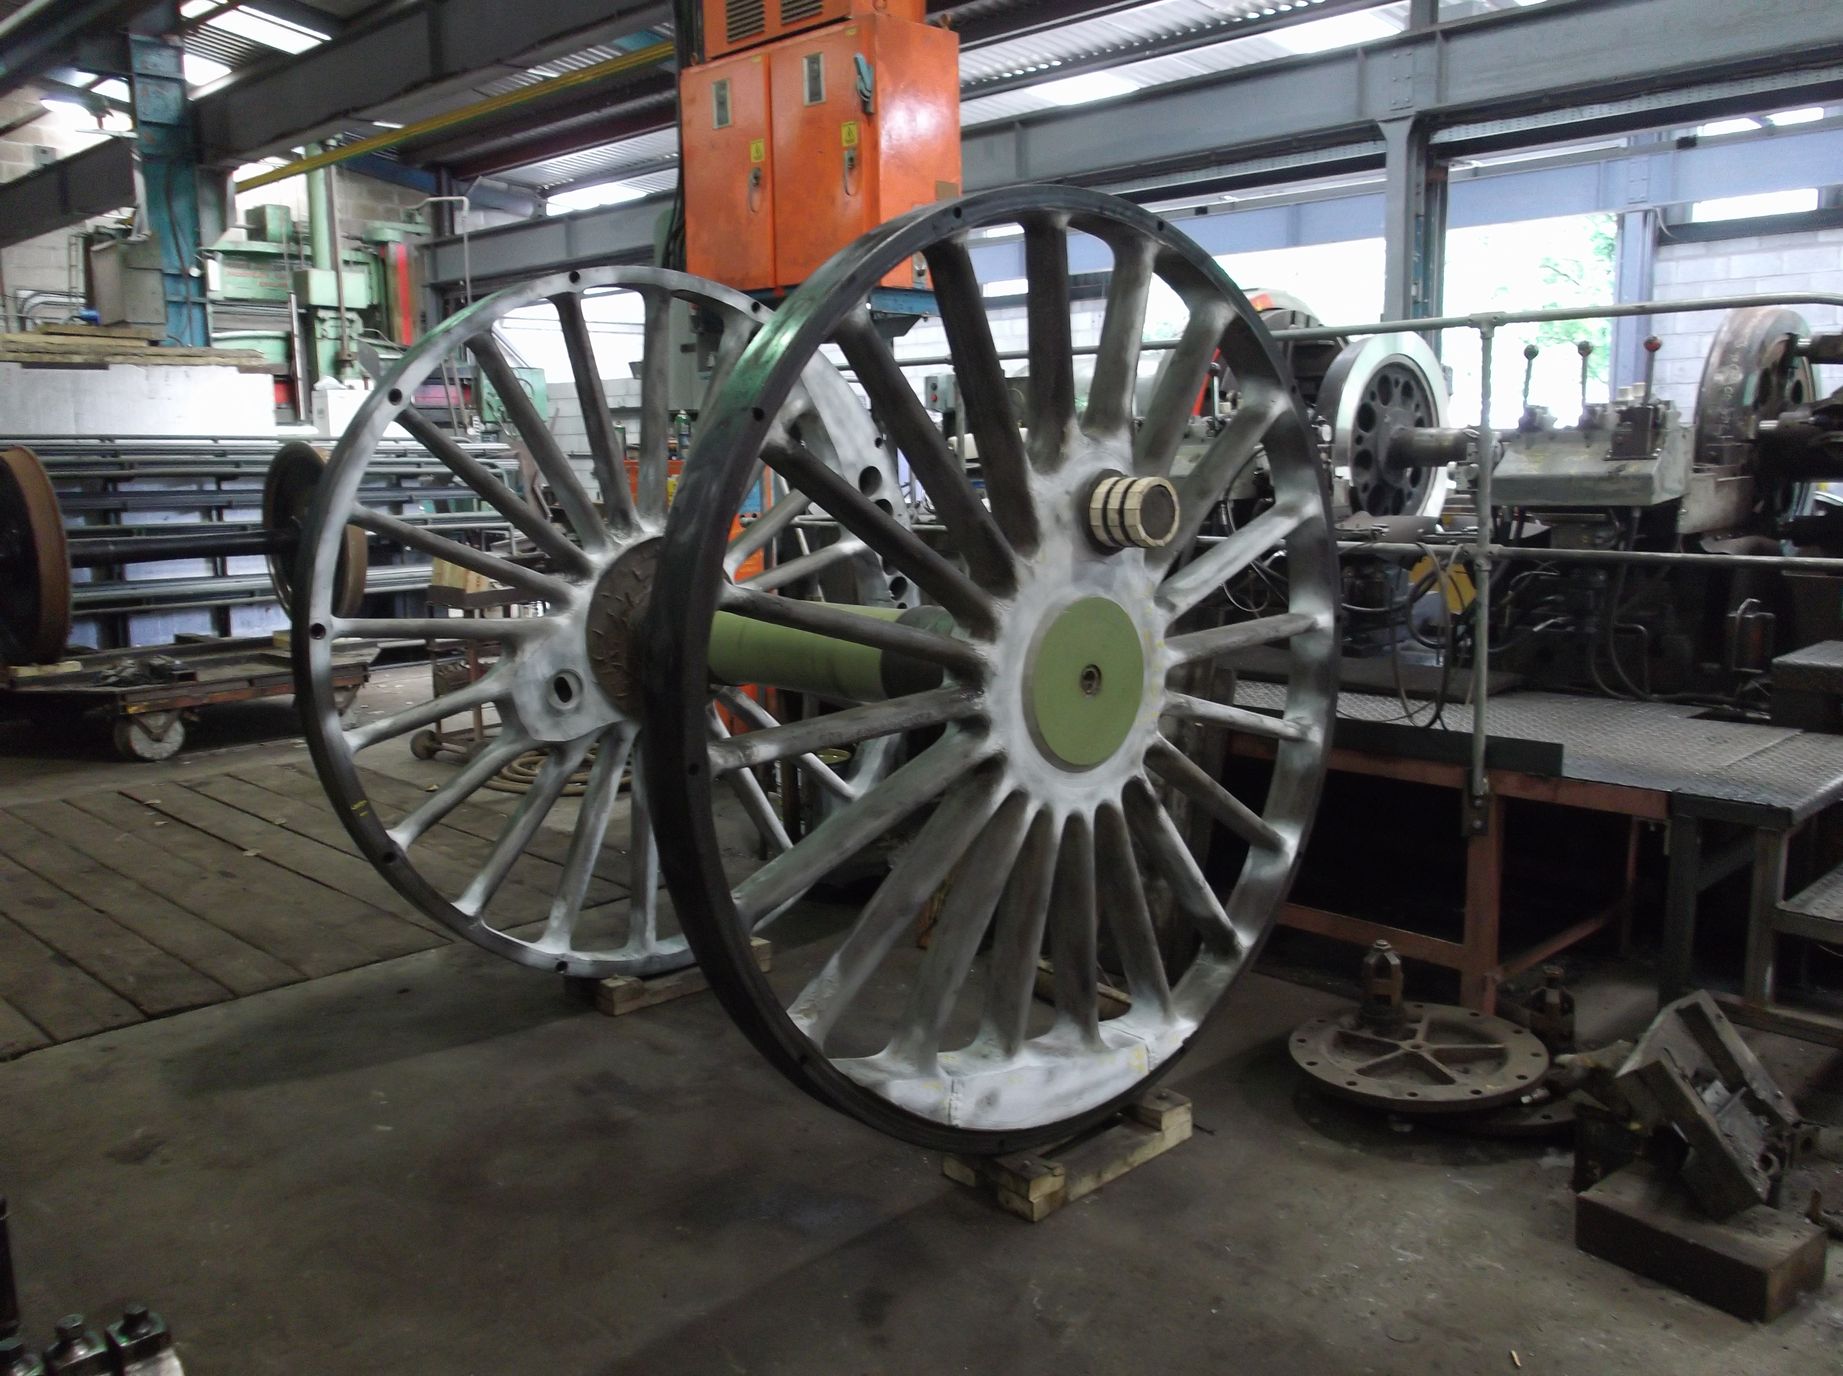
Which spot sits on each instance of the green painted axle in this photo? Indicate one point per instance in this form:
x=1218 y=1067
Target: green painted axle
x=744 y=650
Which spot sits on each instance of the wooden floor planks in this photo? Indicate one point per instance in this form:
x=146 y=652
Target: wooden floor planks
x=117 y=906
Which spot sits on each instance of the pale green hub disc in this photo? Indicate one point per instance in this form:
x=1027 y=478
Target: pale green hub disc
x=1086 y=679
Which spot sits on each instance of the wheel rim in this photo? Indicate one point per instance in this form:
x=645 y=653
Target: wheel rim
x=557 y=683
x=1752 y=374
x=1377 y=386
x=287 y=495
x=35 y=598
x=1022 y=836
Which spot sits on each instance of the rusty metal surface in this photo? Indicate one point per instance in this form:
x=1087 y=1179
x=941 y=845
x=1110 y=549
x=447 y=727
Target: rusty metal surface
x=1441 y=1059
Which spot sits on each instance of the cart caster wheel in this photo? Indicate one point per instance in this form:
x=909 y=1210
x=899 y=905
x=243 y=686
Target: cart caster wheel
x=425 y=745
x=343 y=698
x=149 y=737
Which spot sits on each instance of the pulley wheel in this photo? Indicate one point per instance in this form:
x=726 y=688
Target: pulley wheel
x=552 y=880
x=287 y=494
x=1377 y=386
x=1440 y=1059
x=1043 y=809
x=34 y=563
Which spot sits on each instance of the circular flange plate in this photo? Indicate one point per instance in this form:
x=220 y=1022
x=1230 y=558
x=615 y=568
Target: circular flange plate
x=35 y=558
x=1442 y=1060
x=287 y=494
x=1376 y=386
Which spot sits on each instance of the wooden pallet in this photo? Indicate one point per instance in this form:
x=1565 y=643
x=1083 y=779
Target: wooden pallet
x=619 y=994
x=1034 y=1185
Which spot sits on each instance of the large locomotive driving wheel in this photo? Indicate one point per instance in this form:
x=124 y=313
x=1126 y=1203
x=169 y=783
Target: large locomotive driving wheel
x=1043 y=809
x=563 y=682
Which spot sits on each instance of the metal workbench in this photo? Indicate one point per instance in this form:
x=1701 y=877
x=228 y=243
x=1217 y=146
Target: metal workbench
x=1752 y=785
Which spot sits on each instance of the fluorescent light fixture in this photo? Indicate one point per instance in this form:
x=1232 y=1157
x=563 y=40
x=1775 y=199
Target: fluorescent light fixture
x=1009 y=286
x=1716 y=128
x=202 y=71
x=387 y=124
x=280 y=34
x=1811 y=114
x=589 y=197
x=1084 y=87
x=1334 y=31
x=1761 y=203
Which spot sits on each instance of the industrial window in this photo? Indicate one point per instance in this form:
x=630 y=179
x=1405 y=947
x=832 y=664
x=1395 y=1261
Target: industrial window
x=720 y=103
x=815 y=70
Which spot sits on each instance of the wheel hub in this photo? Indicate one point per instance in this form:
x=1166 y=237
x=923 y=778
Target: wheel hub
x=616 y=607
x=1085 y=683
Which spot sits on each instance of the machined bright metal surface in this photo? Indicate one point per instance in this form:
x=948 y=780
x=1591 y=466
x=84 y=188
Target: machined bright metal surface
x=558 y=678
x=1048 y=801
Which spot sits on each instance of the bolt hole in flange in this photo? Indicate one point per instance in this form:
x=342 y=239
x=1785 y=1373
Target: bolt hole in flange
x=565 y=691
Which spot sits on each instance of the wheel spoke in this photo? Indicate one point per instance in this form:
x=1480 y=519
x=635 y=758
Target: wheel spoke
x=972 y=893
x=743 y=705
x=835 y=729
x=804 y=566
x=1073 y=936
x=1122 y=898
x=1226 y=456
x=942 y=476
x=461 y=786
x=1217 y=641
x=1188 y=778
x=1219 y=563
x=655 y=411
x=1018 y=942
x=737 y=332
x=946 y=836
x=1051 y=412
x=642 y=861
x=527 y=817
x=849 y=830
x=540 y=585
x=608 y=455
x=903 y=548
x=596 y=811
x=984 y=393
x=952 y=654
x=1112 y=393
x=1163 y=843
x=751 y=795
x=520 y=513
x=759 y=533
x=495 y=684
x=1180 y=383
x=1235 y=718
x=552 y=462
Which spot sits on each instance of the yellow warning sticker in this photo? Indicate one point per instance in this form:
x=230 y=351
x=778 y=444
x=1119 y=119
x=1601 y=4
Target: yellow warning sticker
x=758 y=150
x=848 y=133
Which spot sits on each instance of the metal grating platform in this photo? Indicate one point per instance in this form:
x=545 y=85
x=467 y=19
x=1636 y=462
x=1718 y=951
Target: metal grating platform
x=1772 y=775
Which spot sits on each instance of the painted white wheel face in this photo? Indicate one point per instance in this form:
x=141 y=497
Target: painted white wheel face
x=1052 y=808
x=568 y=878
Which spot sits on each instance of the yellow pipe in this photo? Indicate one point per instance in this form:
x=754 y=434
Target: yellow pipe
x=524 y=95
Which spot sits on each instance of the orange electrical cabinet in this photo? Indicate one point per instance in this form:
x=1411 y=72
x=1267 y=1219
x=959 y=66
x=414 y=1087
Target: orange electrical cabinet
x=865 y=120
x=729 y=171
x=730 y=25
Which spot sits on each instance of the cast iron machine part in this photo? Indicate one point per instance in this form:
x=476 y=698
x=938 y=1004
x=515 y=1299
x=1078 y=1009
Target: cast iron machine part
x=565 y=681
x=1039 y=806
x=37 y=553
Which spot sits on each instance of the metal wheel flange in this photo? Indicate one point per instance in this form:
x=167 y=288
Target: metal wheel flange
x=1752 y=374
x=1442 y=1059
x=568 y=884
x=1375 y=387
x=35 y=559
x=1045 y=810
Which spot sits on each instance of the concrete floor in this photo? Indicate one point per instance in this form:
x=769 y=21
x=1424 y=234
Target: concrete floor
x=443 y=1164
